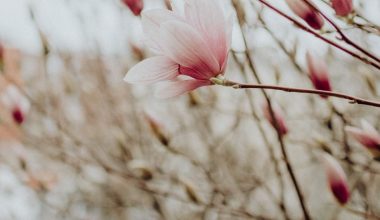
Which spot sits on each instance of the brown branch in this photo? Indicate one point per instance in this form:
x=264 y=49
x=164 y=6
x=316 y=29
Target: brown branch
x=275 y=122
x=343 y=36
x=352 y=99
x=332 y=43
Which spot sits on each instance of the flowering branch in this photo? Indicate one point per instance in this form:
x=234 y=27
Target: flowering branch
x=316 y=34
x=352 y=99
x=342 y=35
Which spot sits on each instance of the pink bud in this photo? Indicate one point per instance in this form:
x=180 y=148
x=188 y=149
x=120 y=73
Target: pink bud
x=367 y=136
x=318 y=73
x=278 y=115
x=336 y=178
x=1 y=52
x=342 y=7
x=18 y=116
x=136 y=6
x=307 y=13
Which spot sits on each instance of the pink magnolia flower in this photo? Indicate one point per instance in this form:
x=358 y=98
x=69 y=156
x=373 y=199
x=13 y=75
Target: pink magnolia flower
x=191 y=47
x=319 y=75
x=307 y=13
x=342 y=7
x=136 y=6
x=278 y=115
x=336 y=178
x=367 y=136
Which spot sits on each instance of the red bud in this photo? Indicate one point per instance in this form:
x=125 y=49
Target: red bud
x=278 y=115
x=136 y=6
x=318 y=73
x=342 y=7
x=307 y=13
x=18 y=116
x=336 y=178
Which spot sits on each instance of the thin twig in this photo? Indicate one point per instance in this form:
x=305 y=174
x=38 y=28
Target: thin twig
x=352 y=99
x=276 y=124
x=343 y=36
x=309 y=30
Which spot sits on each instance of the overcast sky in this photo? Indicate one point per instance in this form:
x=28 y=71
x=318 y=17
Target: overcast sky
x=75 y=25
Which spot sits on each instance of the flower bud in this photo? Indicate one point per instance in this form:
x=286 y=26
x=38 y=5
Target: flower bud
x=15 y=102
x=136 y=6
x=168 y=5
x=342 y=7
x=1 y=52
x=336 y=179
x=157 y=128
x=278 y=115
x=17 y=115
x=307 y=13
x=318 y=73
x=1 y=57
x=367 y=136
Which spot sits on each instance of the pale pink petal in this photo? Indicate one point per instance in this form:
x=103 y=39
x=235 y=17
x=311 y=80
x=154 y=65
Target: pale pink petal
x=183 y=44
x=174 y=88
x=152 y=70
x=151 y=22
x=208 y=18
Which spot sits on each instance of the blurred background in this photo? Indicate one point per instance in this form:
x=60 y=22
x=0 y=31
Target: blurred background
x=77 y=142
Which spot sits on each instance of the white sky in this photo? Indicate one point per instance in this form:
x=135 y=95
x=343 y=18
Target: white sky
x=76 y=25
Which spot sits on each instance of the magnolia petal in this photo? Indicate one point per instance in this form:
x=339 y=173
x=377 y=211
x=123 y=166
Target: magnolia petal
x=151 y=22
x=211 y=24
x=183 y=44
x=174 y=88
x=152 y=70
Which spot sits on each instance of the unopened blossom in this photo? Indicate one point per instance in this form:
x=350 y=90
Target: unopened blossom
x=17 y=115
x=336 y=179
x=136 y=6
x=191 y=46
x=367 y=136
x=278 y=115
x=15 y=102
x=318 y=72
x=1 y=52
x=1 y=56
x=307 y=13
x=342 y=7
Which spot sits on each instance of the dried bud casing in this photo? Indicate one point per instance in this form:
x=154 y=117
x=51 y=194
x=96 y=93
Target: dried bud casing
x=136 y=6
x=336 y=178
x=307 y=13
x=318 y=73
x=156 y=128
x=342 y=7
